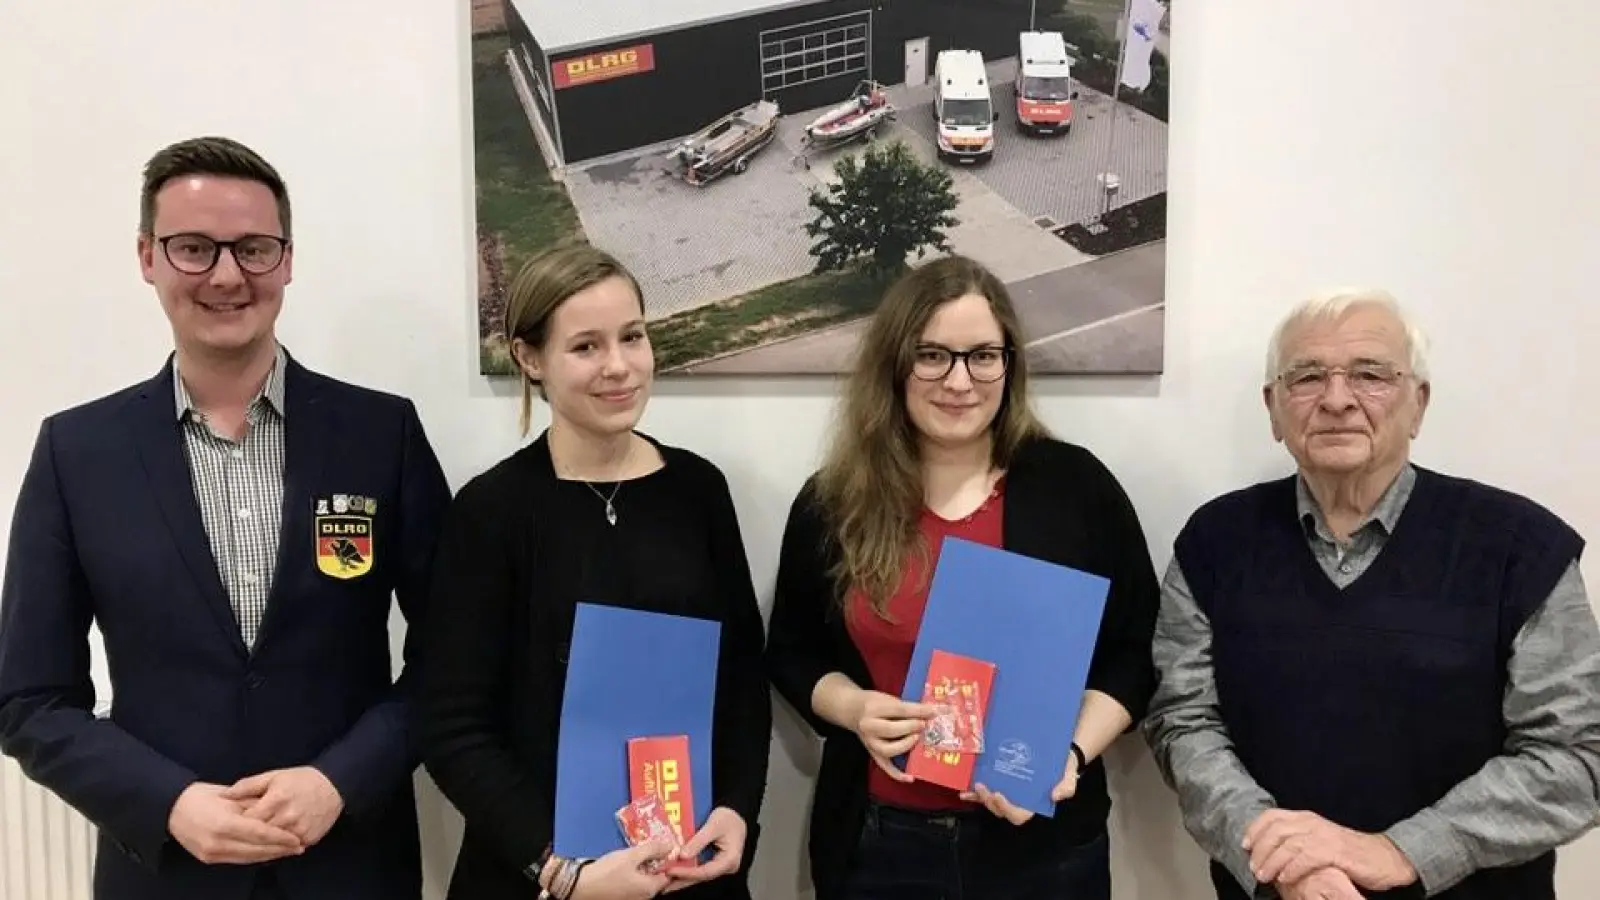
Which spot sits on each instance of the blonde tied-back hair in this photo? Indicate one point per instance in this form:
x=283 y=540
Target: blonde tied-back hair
x=870 y=485
x=545 y=281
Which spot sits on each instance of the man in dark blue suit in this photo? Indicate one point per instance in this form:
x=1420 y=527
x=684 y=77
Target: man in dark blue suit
x=236 y=527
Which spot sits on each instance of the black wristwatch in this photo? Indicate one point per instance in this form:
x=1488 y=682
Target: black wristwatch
x=1083 y=761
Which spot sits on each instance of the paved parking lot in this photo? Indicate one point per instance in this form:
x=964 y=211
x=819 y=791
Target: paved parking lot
x=692 y=245
x=696 y=245
x=1056 y=175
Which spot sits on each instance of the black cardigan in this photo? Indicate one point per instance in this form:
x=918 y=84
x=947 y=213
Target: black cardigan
x=505 y=592
x=1061 y=505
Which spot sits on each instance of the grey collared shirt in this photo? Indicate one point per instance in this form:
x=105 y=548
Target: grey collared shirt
x=1543 y=792
x=239 y=488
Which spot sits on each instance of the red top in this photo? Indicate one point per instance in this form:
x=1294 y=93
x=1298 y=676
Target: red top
x=886 y=646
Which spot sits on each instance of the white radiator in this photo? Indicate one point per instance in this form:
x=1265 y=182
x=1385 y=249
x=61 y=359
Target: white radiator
x=46 y=847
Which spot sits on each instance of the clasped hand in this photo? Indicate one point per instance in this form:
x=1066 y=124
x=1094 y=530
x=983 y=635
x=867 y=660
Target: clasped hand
x=264 y=817
x=891 y=727
x=1311 y=858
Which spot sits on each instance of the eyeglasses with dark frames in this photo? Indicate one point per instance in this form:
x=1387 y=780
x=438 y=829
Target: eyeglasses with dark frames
x=935 y=362
x=197 y=254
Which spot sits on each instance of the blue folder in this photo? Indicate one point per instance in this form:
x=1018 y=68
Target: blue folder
x=629 y=674
x=1038 y=622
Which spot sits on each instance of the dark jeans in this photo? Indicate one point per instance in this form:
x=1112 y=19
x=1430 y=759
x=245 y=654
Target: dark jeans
x=904 y=855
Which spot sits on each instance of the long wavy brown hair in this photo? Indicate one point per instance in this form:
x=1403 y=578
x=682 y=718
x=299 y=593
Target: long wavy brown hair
x=870 y=485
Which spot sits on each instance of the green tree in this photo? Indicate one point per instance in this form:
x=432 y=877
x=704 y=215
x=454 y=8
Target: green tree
x=885 y=206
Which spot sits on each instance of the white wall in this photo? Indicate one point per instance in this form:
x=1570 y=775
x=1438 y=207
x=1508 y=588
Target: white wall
x=1438 y=148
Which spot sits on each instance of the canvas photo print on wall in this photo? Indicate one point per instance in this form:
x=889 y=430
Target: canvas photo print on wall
x=766 y=167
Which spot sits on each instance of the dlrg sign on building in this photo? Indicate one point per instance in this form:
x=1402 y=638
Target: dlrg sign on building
x=601 y=66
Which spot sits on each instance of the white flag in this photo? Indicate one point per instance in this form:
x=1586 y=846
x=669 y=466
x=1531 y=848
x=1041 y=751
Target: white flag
x=1144 y=21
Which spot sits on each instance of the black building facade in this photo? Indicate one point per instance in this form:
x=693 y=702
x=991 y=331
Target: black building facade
x=614 y=95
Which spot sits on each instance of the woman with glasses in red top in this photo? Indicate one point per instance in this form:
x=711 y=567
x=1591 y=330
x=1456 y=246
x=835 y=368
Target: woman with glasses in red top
x=937 y=440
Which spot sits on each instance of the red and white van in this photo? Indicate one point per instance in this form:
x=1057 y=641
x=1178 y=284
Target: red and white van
x=1044 y=83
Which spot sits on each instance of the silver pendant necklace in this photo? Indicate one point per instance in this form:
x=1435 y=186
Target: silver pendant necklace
x=611 y=511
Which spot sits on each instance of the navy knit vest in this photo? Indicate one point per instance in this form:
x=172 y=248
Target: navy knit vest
x=1367 y=704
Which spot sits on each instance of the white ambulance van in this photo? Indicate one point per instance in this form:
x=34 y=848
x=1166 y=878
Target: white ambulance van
x=962 y=106
x=1044 y=83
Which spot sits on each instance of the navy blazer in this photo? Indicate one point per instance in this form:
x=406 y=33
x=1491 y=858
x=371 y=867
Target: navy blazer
x=107 y=531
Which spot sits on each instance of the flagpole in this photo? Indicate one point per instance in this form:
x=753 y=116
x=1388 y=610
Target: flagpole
x=1106 y=175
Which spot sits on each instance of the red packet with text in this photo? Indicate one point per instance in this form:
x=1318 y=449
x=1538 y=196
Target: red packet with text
x=959 y=686
x=644 y=820
x=659 y=783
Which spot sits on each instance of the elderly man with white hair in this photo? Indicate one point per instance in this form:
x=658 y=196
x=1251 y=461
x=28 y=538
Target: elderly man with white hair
x=1376 y=679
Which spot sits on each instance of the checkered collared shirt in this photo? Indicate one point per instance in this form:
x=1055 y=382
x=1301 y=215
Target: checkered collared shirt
x=239 y=486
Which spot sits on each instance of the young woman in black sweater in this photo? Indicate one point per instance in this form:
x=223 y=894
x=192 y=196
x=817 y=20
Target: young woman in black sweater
x=590 y=511
x=936 y=439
